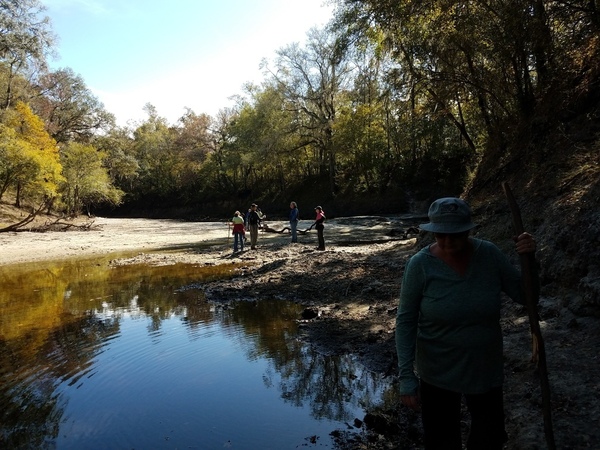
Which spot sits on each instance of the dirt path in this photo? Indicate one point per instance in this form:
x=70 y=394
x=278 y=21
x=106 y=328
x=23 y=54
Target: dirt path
x=353 y=288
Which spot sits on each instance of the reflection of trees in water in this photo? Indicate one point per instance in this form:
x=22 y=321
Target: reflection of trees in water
x=325 y=383
x=30 y=413
x=83 y=312
x=267 y=325
x=155 y=293
x=31 y=407
x=33 y=365
x=70 y=313
x=162 y=302
x=333 y=386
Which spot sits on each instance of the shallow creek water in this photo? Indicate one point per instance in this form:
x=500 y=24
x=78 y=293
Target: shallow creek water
x=97 y=357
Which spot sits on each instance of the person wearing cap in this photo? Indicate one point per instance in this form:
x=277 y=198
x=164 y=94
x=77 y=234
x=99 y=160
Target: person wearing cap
x=253 y=219
x=320 y=227
x=238 y=232
x=448 y=328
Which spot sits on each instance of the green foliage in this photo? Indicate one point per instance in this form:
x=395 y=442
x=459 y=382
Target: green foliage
x=312 y=81
x=261 y=149
x=70 y=110
x=14 y=87
x=87 y=180
x=25 y=40
x=155 y=153
x=120 y=161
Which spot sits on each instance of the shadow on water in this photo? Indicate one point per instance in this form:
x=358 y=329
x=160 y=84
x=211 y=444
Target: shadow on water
x=99 y=357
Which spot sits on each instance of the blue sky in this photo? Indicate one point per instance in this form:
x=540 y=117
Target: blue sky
x=174 y=54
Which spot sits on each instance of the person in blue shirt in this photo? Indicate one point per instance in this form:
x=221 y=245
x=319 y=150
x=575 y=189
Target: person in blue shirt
x=294 y=218
x=448 y=330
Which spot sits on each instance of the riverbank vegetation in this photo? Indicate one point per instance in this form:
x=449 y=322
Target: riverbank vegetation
x=390 y=106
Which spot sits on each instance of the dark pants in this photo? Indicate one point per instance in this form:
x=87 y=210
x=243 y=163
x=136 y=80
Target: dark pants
x=320 y=237
x=441 y=419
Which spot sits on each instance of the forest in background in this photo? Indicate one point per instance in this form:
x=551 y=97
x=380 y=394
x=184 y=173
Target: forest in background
x=388 y=107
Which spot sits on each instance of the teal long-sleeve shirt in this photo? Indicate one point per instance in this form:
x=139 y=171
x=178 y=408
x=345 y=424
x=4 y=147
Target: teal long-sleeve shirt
x=450 y=324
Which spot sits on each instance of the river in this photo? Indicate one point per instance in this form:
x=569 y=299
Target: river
x=95 y=357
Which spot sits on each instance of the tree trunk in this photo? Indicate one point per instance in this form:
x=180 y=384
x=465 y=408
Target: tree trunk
x=18 y=195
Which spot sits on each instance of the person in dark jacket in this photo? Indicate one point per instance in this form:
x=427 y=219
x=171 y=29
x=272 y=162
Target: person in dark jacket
x=254 y=218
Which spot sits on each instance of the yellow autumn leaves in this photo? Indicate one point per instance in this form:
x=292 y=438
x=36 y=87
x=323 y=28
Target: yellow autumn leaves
x=29 y=157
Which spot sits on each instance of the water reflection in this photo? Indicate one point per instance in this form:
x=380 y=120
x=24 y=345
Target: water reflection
x=333 y=387
x=97 y=357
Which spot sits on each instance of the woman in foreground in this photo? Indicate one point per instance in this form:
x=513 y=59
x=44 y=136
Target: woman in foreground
x=448 y=323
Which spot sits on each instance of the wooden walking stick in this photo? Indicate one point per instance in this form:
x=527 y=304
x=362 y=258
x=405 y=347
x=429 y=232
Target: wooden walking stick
x=531 y=300
x=228 y=232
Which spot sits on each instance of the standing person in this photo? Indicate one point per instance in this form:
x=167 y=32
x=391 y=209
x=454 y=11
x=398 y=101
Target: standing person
x=238 y=232
x=294 y=218
x=246 y=227
x=254 y=219
x=448 y=322
x=320 y=227
x=262 y=217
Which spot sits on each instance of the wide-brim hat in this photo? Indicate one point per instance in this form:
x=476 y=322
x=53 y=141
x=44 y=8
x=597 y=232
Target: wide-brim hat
x=449 y=215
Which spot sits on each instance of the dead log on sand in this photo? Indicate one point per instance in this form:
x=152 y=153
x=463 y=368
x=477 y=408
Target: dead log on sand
x=17 y=226
x=267 y=229
x=57 y=225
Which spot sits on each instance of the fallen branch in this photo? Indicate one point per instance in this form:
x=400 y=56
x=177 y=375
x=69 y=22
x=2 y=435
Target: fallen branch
x=17 y=226
x=267 y=229
x=527 y=267
x=59 y=225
